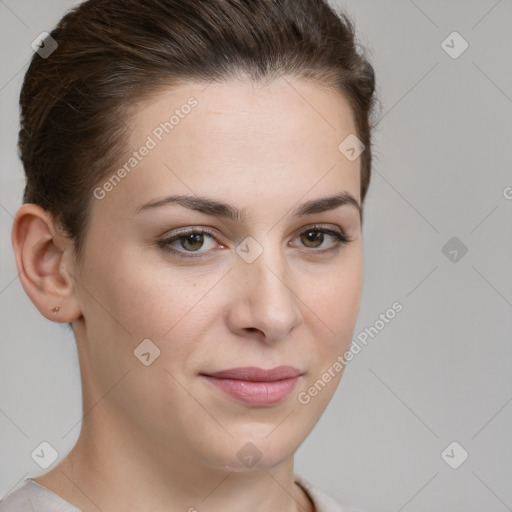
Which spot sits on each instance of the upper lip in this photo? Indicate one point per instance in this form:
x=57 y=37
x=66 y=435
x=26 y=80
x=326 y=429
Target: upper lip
x=252 y=373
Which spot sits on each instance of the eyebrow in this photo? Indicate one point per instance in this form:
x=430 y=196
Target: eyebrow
x=211 y=206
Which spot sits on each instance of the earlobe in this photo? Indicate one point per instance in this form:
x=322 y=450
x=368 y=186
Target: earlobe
x=41 y=253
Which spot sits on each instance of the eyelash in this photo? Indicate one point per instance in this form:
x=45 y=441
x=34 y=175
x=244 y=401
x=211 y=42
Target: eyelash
x=341 y=239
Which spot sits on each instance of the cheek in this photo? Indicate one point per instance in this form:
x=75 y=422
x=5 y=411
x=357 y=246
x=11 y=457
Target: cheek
x=127 y=301
x=335 y=307
x=334 y=296
x=143 y=298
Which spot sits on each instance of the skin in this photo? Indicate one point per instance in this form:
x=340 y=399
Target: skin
x=160 y=437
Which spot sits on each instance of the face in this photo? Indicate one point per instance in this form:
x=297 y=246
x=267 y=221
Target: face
x=272 y=284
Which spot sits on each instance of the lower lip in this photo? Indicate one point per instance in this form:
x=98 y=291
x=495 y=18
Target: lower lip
x=256 y=393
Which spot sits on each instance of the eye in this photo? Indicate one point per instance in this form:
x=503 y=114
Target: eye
x=187 y=242
x=315 y=236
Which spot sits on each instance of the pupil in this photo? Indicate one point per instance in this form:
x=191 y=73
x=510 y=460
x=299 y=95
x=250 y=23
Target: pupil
x=194 y=238
x=314 y=236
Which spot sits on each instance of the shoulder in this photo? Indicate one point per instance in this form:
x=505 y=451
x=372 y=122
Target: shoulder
x=32 y=497
x=17 y=501
x=323 y=502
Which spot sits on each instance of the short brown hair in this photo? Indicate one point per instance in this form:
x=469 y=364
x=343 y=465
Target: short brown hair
x=75 y=104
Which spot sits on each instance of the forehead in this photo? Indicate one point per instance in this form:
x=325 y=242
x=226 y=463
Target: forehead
x=241 y=109
x=238 y=138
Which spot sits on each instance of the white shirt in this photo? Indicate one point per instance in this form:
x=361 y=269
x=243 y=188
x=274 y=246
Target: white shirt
x=32 y=497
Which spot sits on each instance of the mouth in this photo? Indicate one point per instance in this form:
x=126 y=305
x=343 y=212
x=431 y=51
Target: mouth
x=256 y=386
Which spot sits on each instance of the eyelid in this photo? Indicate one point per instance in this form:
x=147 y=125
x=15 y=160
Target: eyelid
x=325 y=228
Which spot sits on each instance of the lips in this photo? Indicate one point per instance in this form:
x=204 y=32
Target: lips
x=256 y=386
x=253 y=374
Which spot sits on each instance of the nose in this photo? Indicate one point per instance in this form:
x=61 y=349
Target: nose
x=266 y=301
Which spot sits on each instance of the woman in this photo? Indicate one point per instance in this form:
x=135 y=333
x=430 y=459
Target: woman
x=196 y=173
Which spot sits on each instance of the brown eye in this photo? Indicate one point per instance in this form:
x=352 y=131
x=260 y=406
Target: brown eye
x=312 y=238
x=192 y=242
x=187 y=242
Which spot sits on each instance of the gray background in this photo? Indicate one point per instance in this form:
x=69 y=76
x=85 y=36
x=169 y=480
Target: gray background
x=440 y=371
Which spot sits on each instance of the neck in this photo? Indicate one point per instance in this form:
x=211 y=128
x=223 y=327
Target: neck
x=115 y=469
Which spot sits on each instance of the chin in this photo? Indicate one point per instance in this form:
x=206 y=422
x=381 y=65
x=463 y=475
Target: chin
x=252 y=453
x=266 y=462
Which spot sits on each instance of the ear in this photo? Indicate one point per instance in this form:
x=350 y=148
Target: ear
x=45 y=263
